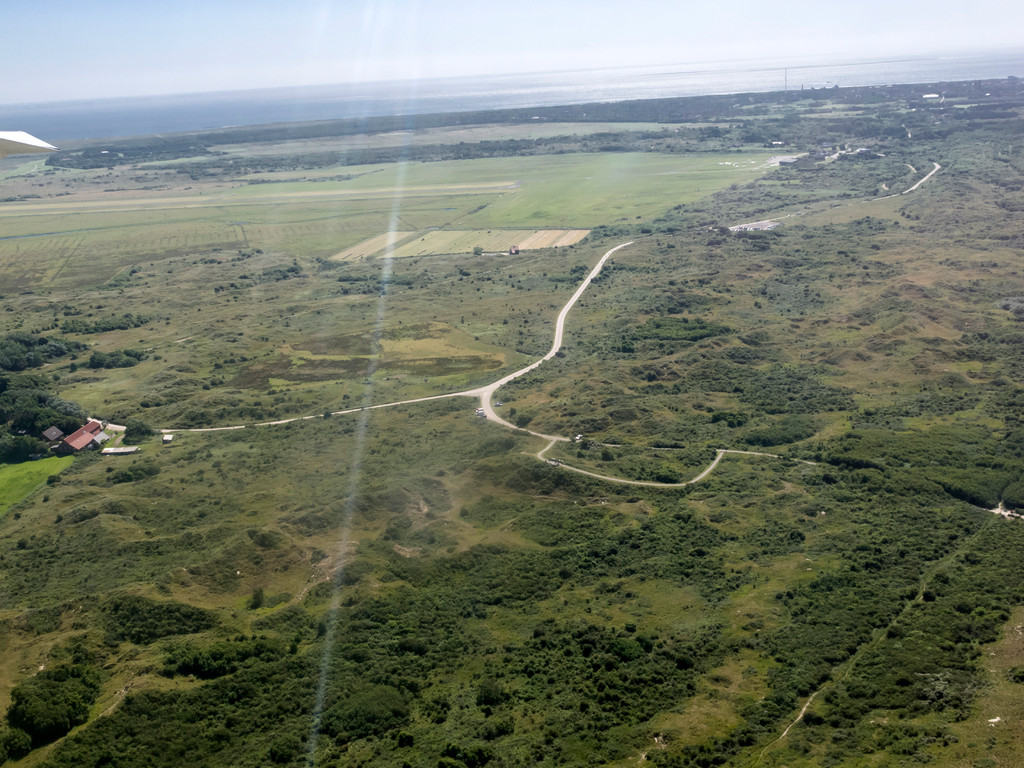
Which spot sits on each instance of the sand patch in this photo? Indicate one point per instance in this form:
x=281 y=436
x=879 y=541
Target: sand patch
x=433 y=242
x=371 y=247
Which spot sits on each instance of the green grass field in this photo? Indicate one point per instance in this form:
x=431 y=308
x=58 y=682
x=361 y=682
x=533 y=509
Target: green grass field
x=82 y=241
x=18 y=481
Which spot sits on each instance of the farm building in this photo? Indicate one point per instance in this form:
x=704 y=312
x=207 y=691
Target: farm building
x=52 y=435
x=89 y=436
x=120 y=451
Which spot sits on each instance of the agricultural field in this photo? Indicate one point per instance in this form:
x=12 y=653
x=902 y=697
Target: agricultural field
x=453 y=241
x=303 y=577
x=373 y=247
x=87 y=239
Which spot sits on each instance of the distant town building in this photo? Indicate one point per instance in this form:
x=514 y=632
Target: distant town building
x=89 y=436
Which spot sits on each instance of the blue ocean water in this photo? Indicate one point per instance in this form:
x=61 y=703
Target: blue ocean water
x=61 y=121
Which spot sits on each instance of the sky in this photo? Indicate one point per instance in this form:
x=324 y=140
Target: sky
x=68 y=49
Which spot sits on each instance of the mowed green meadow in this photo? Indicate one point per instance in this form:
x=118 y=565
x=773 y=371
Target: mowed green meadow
x=553 y=191
x=85 y=240
x=19 y=480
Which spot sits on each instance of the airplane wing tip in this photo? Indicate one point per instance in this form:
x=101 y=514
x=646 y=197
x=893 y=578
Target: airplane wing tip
x=20 y=142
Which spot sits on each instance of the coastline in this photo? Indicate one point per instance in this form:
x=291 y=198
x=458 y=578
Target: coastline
x=108 y=118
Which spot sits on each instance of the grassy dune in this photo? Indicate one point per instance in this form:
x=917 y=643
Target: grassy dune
x=464 y=603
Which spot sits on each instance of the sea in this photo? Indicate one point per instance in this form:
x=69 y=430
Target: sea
x=106 y=118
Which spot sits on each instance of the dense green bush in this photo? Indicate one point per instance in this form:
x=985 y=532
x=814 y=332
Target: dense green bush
x=48 y=705
x=136 y=431
x=19 y=351
x=138 y=470
x=115 y=323
x=142 y=620
x=788 y=430
x=28 y=406
x=371 y=711
x=221 y=658
x=14 y=744
x=16 y=448
x=124 y=358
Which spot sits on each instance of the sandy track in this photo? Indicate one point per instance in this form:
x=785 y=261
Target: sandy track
x=372 y=246
x=485 y=393
x=720 y=454
x=936 y=169
x=922 y=181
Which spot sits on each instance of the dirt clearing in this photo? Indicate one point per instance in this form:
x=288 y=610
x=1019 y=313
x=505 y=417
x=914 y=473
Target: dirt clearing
x=438 y=241
x=372 y=246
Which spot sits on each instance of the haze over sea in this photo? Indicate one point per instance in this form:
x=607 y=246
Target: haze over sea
x=61 y=121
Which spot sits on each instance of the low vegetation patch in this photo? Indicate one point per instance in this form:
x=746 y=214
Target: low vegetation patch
x=411 y=585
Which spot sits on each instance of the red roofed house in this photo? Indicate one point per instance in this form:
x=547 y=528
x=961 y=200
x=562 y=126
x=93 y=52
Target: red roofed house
x=89 y=436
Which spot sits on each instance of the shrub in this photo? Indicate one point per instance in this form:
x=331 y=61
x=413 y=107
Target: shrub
x=14 y=744
x=136 y=431
x=50 y=704
x=142 y=621
x=369 y=712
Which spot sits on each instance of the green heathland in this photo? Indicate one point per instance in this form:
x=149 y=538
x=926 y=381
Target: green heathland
x=411 y=585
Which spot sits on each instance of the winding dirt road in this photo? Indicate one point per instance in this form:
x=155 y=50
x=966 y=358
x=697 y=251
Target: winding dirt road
x=922 y=181
x=486 y=392
x=931 y=173
x=720 y=454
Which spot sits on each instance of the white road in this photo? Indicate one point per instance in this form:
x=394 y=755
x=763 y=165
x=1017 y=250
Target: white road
x=720 y=454
x=934 y=170
x=486 y=392
x=922 y=181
